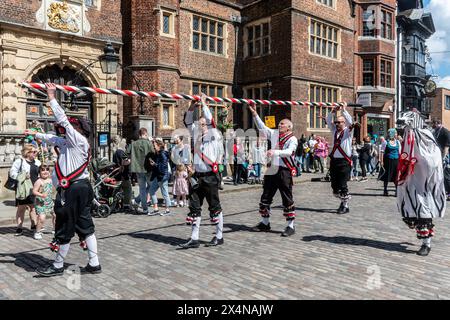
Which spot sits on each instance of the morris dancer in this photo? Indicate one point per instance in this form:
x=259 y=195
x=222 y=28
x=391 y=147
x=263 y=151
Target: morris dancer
x=75 y=194
x=341 y=161
x=420 y=179
x=208 y=154
x=281 y=178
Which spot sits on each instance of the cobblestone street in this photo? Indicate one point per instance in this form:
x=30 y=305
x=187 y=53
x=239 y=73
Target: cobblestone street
x=366 y=254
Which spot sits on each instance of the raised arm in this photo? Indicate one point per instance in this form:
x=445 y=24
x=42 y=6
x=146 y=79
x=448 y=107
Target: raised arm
x=259 y=123
x=189 y=118
x=50 y=139
x=73 y=137
x=206 y=112
x=347 y=116
x=330 y=122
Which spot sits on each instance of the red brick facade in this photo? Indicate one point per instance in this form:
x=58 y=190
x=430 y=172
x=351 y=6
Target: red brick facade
x=375 y=44
x=170 y=64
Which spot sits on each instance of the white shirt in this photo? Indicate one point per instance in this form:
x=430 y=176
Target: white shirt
x=289 y=148
x=181 y=155
x=346 y=142
x=211 y=143
x=73 y=149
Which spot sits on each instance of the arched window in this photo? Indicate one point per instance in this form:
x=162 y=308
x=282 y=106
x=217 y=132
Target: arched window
x=36 y=105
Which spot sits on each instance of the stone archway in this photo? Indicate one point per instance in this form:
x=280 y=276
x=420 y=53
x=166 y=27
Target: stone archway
x=36 y=108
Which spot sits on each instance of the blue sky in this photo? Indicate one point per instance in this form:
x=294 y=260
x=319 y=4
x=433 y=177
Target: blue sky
x=439 y=43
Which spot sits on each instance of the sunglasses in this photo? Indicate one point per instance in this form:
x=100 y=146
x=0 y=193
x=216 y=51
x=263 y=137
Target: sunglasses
x=337 y=122
x=45 y=169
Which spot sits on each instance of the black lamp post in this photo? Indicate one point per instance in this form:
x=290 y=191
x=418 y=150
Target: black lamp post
x=109 y=60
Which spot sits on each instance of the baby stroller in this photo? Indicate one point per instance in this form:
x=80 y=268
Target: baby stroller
x=108 y=196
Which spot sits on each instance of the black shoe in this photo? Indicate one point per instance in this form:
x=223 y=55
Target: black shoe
x=385 y=193
x=214 y=242
x=261 y=227
x=190 y=244
x=50 y=271
x=90 y=269
x=19 y=232
x=343 y=210
x=33 y=227
x=424 y=250
x=288 y=232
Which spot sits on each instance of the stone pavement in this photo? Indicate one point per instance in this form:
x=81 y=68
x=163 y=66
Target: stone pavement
x=366 y=254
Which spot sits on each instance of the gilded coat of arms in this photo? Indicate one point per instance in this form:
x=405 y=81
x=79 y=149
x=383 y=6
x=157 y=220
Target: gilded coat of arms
x=62 y=17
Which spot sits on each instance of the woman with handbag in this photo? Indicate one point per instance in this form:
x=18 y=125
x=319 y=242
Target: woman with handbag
x=26 y=171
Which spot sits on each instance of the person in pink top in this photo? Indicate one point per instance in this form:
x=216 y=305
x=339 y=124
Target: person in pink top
x=319 y=154
x=180 y=185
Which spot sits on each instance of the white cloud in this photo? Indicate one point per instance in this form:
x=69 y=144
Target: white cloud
x=440 y=41
x=443 y=82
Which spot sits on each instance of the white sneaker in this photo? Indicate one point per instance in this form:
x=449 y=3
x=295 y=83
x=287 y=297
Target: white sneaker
x=37 y=236
x=181 y=204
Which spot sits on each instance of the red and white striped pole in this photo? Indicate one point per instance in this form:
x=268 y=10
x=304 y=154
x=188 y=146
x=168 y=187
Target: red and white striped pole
x=178 y=96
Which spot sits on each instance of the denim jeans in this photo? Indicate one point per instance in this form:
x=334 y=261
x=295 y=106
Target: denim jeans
x=144 y=189
x=306 y=164
x=299 y=164
x=257 y=167
x=164 y=185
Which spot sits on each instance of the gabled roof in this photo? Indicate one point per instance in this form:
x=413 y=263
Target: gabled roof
x=418 y=16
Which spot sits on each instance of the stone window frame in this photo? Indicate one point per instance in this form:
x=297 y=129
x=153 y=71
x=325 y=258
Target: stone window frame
x=318 y=89
x=385 y=23
x=370 y=19
x=259 y=108
x=171 y=104
x=315 y=38
x=367 y=71
x=385 y=74
x=325 y=3
x=211 y=104
x=171 y=14
x=208 y=35
x=447 y=102
x=253 y=25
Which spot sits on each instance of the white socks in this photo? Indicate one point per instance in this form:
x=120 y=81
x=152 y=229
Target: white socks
x=91 y=243
x=196 y=228
x=219 y=227
x=60 y=255
x=291 y=223
x=427 y=242
x=265 y=220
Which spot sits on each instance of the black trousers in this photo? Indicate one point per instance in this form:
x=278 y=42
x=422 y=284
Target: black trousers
x=282 y=181
x=73 y=212
x=208 y=188
x=363 y=165
x=339 y=174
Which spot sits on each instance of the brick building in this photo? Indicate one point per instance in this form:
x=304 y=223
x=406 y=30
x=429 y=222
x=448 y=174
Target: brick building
x=306 y=54
x=252 y=49
x=177 y=46
x=36 y=44
x=375 y=65
x=441 y=106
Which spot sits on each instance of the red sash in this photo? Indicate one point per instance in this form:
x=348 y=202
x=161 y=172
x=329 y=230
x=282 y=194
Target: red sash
x=64 y=181
x=337 y=146
x=214 y=165
x=283 y=138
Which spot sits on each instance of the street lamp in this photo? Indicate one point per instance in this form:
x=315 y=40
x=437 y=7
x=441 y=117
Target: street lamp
x=109 y=60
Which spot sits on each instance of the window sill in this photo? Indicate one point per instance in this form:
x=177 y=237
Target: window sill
x=220 y=55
